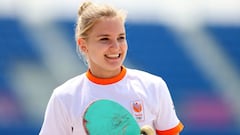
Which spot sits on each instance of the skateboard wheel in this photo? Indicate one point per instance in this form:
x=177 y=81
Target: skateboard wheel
x=147 y=130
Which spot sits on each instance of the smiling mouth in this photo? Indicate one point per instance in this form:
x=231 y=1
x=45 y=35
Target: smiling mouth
x=113 y=56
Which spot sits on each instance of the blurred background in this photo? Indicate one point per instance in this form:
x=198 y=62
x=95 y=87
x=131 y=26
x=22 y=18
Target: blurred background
x=193 y=45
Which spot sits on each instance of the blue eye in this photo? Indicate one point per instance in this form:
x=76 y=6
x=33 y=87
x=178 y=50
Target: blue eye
x=104 y=39
x=121 y=38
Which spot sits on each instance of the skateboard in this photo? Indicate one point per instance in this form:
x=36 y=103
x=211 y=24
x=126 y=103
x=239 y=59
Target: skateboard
x=106 y=117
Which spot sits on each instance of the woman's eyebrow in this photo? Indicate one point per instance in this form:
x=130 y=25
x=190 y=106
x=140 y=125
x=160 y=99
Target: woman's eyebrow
x=122 y=34
x=103 y=35
x=107 y=35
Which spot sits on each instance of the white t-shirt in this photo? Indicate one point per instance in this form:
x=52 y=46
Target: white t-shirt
x=65 y=110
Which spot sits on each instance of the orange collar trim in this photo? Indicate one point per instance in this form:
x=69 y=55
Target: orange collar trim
x=106 y=81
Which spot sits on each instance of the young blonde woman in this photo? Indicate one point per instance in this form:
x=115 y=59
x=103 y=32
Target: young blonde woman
x=101 y=39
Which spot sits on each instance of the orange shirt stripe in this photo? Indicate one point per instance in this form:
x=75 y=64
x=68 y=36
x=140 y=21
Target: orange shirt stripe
x=106 y=81
x=172 y=131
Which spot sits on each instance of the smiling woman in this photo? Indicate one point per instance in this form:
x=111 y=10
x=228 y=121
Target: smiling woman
x=101 y=38
x=105 y=48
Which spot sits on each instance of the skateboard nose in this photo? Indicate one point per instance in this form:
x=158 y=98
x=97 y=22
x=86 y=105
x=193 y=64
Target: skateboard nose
x=147 y=130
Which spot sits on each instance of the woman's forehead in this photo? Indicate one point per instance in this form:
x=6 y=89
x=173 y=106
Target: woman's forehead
x=108 y=26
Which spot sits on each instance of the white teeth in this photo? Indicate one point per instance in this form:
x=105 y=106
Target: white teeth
x=113 y=55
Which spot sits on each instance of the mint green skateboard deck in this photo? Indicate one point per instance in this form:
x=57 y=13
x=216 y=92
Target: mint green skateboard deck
x=106 y=117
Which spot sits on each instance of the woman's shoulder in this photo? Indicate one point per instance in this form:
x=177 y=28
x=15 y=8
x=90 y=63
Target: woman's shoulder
x=141 y=73
x=70 y=86
x=144 y=75
x=151 y=84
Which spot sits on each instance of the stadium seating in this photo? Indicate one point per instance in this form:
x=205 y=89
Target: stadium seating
x=228 y=38
x=15 y=46
x=152 y=47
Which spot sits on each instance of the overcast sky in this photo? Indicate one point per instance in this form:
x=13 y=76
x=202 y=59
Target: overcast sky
x=227 y=11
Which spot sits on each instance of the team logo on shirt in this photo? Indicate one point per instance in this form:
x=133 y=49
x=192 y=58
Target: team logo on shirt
x=138 y=110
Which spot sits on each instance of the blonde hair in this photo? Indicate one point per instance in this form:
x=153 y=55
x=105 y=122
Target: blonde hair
x=89 y=13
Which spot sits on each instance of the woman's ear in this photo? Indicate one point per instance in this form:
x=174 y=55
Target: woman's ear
x=82 y=45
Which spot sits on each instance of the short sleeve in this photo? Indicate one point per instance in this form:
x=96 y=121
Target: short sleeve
x=56 y=119
x=167 y=122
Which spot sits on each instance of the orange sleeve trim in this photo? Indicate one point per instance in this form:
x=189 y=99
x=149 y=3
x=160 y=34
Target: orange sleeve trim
x=106 y=81
x=172 y=131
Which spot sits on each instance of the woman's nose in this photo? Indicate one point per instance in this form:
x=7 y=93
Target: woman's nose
x=115 y=44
